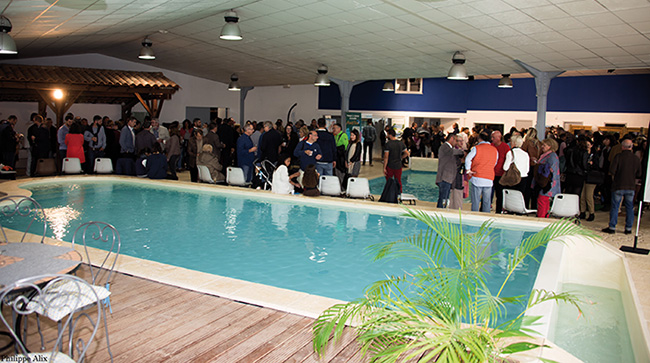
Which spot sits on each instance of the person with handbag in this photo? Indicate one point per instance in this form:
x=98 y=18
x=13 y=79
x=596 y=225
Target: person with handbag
x=547 y=177
x=503 y=149
x=594 y=177
x=516 y=166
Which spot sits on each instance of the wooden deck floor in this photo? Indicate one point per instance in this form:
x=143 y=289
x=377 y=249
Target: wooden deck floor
x=161 y=323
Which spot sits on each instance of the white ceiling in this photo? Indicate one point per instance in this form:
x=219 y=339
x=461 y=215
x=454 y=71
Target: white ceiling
x=286 y=40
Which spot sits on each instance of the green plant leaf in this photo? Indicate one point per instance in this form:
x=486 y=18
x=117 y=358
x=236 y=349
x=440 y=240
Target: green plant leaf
x=521 y=347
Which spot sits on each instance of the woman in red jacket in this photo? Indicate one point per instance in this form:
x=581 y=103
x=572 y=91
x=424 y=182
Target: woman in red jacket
x=75 y=142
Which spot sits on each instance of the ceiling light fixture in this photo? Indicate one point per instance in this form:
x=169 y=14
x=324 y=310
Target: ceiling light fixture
x=388 y=87
x=234 y=83
x=146 y=52
x=322 y=79
x=7 y=44
x=458 y=71
x=505 y=81
x=230 y=30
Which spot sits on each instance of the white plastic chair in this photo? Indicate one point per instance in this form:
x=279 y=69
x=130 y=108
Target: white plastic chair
x=329 y=185
x=204 y=174
x=71 y=166
x=410 y=198
x=513 y=201
x=358 y=188
x=103 y=166
x=235 y=176
x=565 y=205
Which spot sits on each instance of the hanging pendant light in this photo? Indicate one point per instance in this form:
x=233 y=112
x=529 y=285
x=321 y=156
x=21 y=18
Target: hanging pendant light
x=505 y=81
x=147 y=52
x=322 y=79
x=458 y=71
x=7 y=44
x=230 y=30
x=388 y=87
x=234 y=83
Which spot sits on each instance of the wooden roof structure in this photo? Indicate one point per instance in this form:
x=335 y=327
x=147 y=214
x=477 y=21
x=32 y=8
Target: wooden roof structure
x=28 y=83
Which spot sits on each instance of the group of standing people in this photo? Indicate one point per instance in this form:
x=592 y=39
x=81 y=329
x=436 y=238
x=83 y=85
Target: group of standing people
x=583 y=164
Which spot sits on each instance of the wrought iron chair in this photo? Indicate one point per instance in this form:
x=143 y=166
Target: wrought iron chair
x=17 y=208
x=92 y=234
x=59 y=296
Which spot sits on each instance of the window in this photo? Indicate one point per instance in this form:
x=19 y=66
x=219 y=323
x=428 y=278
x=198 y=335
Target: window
x=408 y=85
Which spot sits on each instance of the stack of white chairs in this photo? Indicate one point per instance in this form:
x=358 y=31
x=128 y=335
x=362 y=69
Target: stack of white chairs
x=358 y=188
x=565 y=205
x=235 y=176
x=329 y=185
x=204 y=174
x=513 y=201
x=103 y=166
x=71 y=166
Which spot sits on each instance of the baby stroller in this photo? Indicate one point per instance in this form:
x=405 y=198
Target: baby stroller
x=264 y=178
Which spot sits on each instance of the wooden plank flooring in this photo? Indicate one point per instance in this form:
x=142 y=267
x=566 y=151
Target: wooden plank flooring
x=161 y=323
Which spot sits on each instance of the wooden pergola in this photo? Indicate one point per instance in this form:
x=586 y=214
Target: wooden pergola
x=26 y=83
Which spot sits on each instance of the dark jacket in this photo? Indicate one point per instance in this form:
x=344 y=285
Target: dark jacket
x=156 y=166
x=625 y=169
x=213 y=139
x=305 y=159
x=270 y=145
x=327 y=145
x=447 y=163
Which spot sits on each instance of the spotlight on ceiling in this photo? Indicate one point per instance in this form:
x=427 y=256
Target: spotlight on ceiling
x=234 y=83
x=458 y=71
x=505 y=81
x=7 y=44
x=230 y=30
x=388 y=87
x=146 y=52
x=322 y=79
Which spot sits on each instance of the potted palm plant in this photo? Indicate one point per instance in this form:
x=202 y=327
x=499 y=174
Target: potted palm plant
x=439 y=312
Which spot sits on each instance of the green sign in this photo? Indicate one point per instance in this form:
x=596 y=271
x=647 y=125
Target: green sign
x=353 y=119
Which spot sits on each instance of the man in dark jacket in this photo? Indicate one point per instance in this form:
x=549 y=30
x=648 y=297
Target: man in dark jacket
x=246 y=152
x=270 y=143
x=213 y=139
x=625 y=169
x=447 y=169
x=327 y=163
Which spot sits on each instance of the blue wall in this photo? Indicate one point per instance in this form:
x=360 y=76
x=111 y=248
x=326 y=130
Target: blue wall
x=627 y=94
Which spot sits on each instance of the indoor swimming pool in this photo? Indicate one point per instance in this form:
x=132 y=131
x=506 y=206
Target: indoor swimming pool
x=284 y=243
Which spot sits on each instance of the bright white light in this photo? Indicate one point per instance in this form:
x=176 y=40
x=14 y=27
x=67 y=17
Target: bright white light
x=58 y=94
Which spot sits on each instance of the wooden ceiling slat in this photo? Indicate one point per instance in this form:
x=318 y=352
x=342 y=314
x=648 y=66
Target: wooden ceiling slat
x=87 y=76
x=22 y=83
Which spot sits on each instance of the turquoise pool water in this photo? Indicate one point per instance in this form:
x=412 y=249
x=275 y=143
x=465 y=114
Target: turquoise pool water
x=318 y=250
x=601 y=335
x=422 y=184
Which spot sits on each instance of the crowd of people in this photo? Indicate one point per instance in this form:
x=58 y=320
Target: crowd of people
x=595 y=166
x=151 y=149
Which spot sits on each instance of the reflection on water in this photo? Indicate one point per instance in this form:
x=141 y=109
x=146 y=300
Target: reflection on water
x=357 y=221
x=328 y=217
x=59 y=218
x=280 y=215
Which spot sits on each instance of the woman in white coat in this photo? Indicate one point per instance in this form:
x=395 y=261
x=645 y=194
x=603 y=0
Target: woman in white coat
x=282 y=183
x=520 y=158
